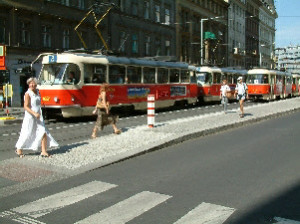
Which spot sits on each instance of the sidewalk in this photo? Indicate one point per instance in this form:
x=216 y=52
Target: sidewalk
x=15 y=115
x=90 y=154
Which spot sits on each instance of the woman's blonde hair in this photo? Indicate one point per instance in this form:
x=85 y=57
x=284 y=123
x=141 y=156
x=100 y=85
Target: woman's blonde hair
x=104 y=87
x=31 y=79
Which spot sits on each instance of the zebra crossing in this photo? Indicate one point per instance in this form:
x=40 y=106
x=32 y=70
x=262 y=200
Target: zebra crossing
x=121 y=212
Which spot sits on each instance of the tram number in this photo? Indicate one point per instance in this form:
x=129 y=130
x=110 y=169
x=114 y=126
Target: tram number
x=52 y=58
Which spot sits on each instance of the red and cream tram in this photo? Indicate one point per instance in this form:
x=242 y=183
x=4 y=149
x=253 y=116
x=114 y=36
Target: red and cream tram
x=268 y=84
x=130 y=81
x=209 y=81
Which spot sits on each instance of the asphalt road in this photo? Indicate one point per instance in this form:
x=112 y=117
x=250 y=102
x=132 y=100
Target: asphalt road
x=249 y=174
x=70 y=131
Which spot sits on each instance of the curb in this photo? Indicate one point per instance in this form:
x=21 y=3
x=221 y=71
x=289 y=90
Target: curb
x=14 y=121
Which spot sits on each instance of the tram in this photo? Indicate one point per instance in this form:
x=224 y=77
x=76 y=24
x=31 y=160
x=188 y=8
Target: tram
x=130 y=81
x=268 y=84
x=209 y=81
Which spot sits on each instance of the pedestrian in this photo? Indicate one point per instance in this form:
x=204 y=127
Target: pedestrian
x=102 y=110
x=33 y=132
x=241 y=92
x=224 y=92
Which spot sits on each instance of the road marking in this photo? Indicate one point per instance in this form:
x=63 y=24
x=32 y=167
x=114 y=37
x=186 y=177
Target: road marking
x=285 y=221
x=206 y=213
x=26 y=220
x=128 y=209
x=53 y=202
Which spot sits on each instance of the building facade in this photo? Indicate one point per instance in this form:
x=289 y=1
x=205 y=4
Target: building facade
x=236 y=33
x=213 y=14
x=267 y=17
x=252 y=34
x=133 y=28
x=288 y=59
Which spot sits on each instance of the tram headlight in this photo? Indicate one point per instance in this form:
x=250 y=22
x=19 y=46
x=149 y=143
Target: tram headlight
x=72 y=98
x=55 y=99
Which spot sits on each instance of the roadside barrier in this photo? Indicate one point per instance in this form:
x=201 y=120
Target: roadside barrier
x=151 y=110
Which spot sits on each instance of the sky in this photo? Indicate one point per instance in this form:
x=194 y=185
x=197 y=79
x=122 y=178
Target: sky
x=287 y=23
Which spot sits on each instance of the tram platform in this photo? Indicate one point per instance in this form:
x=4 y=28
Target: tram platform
x=94 y=153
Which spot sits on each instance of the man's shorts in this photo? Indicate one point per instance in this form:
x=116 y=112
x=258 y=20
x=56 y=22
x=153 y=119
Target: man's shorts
x=241 y=97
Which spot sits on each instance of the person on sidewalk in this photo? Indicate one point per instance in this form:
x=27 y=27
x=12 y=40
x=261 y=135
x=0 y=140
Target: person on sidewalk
x=224 y=92
x=102 y=110
x=33 y=132
x=241 y=92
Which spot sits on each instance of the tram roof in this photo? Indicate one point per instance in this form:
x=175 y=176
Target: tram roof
x=94 y=58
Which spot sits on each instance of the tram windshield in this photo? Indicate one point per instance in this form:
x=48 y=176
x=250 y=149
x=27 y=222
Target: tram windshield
x=57 y=74
x=257 y=79
x=204 y=78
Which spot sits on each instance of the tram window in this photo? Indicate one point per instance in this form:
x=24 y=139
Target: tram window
x=52 y=74
x=134 y=74
x=72 y=74
x=204 y=78
x=174 y=76
x=94 y=73
x=185 y=76
x=162 y=75
x=229 y=79
x=116 y=74
x=99 y=75
x=149 y=75
x=193 y=78
x=217 y=78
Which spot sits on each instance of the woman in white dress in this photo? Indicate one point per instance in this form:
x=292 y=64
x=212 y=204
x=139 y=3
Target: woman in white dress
x=34 y=133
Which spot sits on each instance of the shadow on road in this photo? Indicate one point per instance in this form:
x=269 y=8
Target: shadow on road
x=286 y=206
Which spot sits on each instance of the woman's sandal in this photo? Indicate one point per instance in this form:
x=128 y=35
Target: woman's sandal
x=20 y=155
x=117 y=132
x=45 y=155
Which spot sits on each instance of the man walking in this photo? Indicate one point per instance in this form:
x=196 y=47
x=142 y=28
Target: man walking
x=241 y=91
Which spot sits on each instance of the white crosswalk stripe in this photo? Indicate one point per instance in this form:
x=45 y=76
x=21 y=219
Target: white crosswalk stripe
x=128 y=209
x=206 y=213
x=121 y=212
x=51 y=203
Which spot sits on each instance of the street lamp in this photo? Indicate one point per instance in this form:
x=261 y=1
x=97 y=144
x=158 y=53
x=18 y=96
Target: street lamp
x=201 y=35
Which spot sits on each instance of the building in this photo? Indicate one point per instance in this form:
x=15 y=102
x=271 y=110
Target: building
x=252 y=33
x=213 y=14
x=288 y=59
x=267 y=17
x=133 y=28
x=236 y=33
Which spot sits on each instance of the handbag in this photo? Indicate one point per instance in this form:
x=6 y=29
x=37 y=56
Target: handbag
x=100 y=104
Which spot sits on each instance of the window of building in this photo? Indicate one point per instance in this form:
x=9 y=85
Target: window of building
x=66 y=39
x=123 y=38
x=134 y=7
x=2 y=30
x=168 y=47
x=146 y=10
x=135 y=44
x=157 y=46
x=121 y=5
x=46 y=36
x=81 y=4
x=167 y=16
x=25 y=33
x=157 y=12
x=148 y=45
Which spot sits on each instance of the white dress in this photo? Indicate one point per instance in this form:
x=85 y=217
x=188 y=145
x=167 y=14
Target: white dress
x=33 y=129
